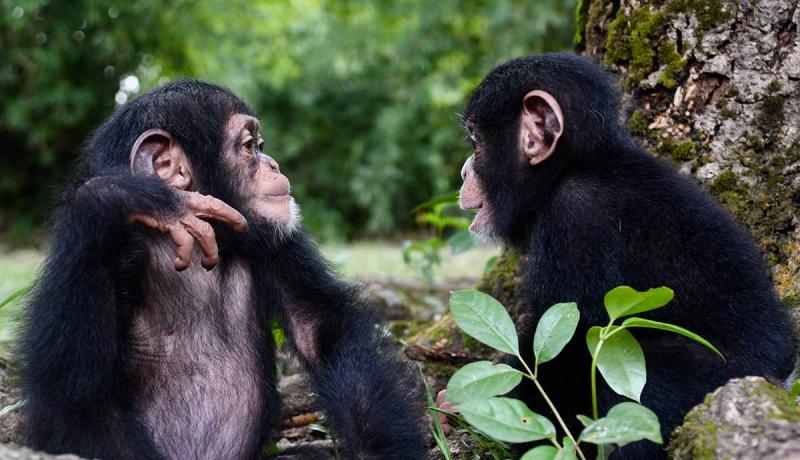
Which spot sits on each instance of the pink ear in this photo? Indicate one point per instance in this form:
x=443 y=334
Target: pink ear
x=156 y=153
x=542 y=123
x=146 y=148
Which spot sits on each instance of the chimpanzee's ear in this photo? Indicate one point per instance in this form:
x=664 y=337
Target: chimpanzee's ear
x=541 y=126
x=156 y=152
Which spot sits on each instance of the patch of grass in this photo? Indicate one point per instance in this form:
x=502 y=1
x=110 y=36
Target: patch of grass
x=386 y=259
x=17 y=270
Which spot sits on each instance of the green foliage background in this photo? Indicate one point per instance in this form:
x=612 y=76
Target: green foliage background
x=359 y=99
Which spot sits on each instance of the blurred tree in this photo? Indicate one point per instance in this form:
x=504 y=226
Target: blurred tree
x=61 y=64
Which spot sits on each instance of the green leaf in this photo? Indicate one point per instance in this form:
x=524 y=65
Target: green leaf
x=482 y=379
x=507 y=419
x=568 y=451
x=483 y=318
x=794 y=393
x=621 y=361
x=15 y=295
x=642 y=322
x=461 y=241
x=624 y=300
x=541 y=453
x=554 y=331
x=451 y=197
x=626 y=422
x=586 y=421
x=550 y=453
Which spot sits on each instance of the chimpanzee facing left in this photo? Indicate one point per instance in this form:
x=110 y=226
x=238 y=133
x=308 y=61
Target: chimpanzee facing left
x=131 y=352
x=555 y=175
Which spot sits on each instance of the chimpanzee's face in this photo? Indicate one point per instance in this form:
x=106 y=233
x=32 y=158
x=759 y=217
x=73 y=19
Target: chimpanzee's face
x=259 y=182
x=472 y=194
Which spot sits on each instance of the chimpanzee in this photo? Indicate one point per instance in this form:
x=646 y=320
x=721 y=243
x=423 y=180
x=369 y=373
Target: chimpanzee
x=131 y=352
x=554 y=175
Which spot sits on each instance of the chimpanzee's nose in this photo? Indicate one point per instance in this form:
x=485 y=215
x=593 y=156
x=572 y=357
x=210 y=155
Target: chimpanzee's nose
x=273 y=164
x=466 y=168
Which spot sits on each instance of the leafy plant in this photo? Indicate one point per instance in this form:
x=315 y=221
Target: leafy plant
x=15 y=295
x=476 y=388
x=442 y=216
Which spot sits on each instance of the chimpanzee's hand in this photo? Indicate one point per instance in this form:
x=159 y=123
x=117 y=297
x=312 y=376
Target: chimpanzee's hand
x=447 y=406
x=192 y=226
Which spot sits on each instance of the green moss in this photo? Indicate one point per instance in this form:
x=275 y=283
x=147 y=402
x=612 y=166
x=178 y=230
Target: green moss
x=794 y=150
x=581 y=14
x=785 y=409
x=406 y=328
x=733 y=92
x=774 y=86
x=684 y=151
x=728 y=113
x=709 y=13
x=673 y=64
x=636 y=40
x=722 y=103
x=632 y=40
x=791 y=300
x=755 y=141
x=771 y=117
x=694 y=439
x=725 y=182
x=638 y=123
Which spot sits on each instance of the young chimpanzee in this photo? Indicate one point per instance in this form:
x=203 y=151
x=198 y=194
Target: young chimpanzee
x=131 y=352
x=555 y=175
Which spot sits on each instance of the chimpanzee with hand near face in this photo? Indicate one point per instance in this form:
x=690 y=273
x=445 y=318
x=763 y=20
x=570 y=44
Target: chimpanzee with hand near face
x=554 y=175
x=135 y=351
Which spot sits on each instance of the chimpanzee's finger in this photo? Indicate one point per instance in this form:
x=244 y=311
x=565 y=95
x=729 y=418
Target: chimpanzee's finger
x=185 y=242
x=204 y=234
x=148 y=221
x=208 y=207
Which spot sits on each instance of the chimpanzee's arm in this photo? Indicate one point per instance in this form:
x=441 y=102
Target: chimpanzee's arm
x=370 y=397
x=77 y=395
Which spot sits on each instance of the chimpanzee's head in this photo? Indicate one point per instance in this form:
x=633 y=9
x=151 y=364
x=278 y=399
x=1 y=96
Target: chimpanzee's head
x=531 y=121
x=197 y=137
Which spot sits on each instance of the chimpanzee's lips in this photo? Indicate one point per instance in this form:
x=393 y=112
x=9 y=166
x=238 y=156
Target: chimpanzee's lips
x=477 y=206
x=278 y=196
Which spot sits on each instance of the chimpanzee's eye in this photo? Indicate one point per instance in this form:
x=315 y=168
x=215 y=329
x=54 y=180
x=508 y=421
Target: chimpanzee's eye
x=260 y=144
x=248 y=144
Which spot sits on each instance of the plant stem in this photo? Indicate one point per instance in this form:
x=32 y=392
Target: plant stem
x=595 y=412
x=552 y=407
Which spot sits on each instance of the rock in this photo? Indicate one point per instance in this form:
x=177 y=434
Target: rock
x=745 y=419
x=10 y=395
x=296 y=395
x=14 y=452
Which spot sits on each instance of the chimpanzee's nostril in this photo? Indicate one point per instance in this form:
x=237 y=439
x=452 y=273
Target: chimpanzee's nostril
x=273 y=164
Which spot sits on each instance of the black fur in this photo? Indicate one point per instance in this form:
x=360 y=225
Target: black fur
x=84 y=367
x=602 y=212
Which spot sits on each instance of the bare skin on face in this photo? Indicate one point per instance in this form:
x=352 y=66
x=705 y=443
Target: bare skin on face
x=472 y=196
x=267 y=191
